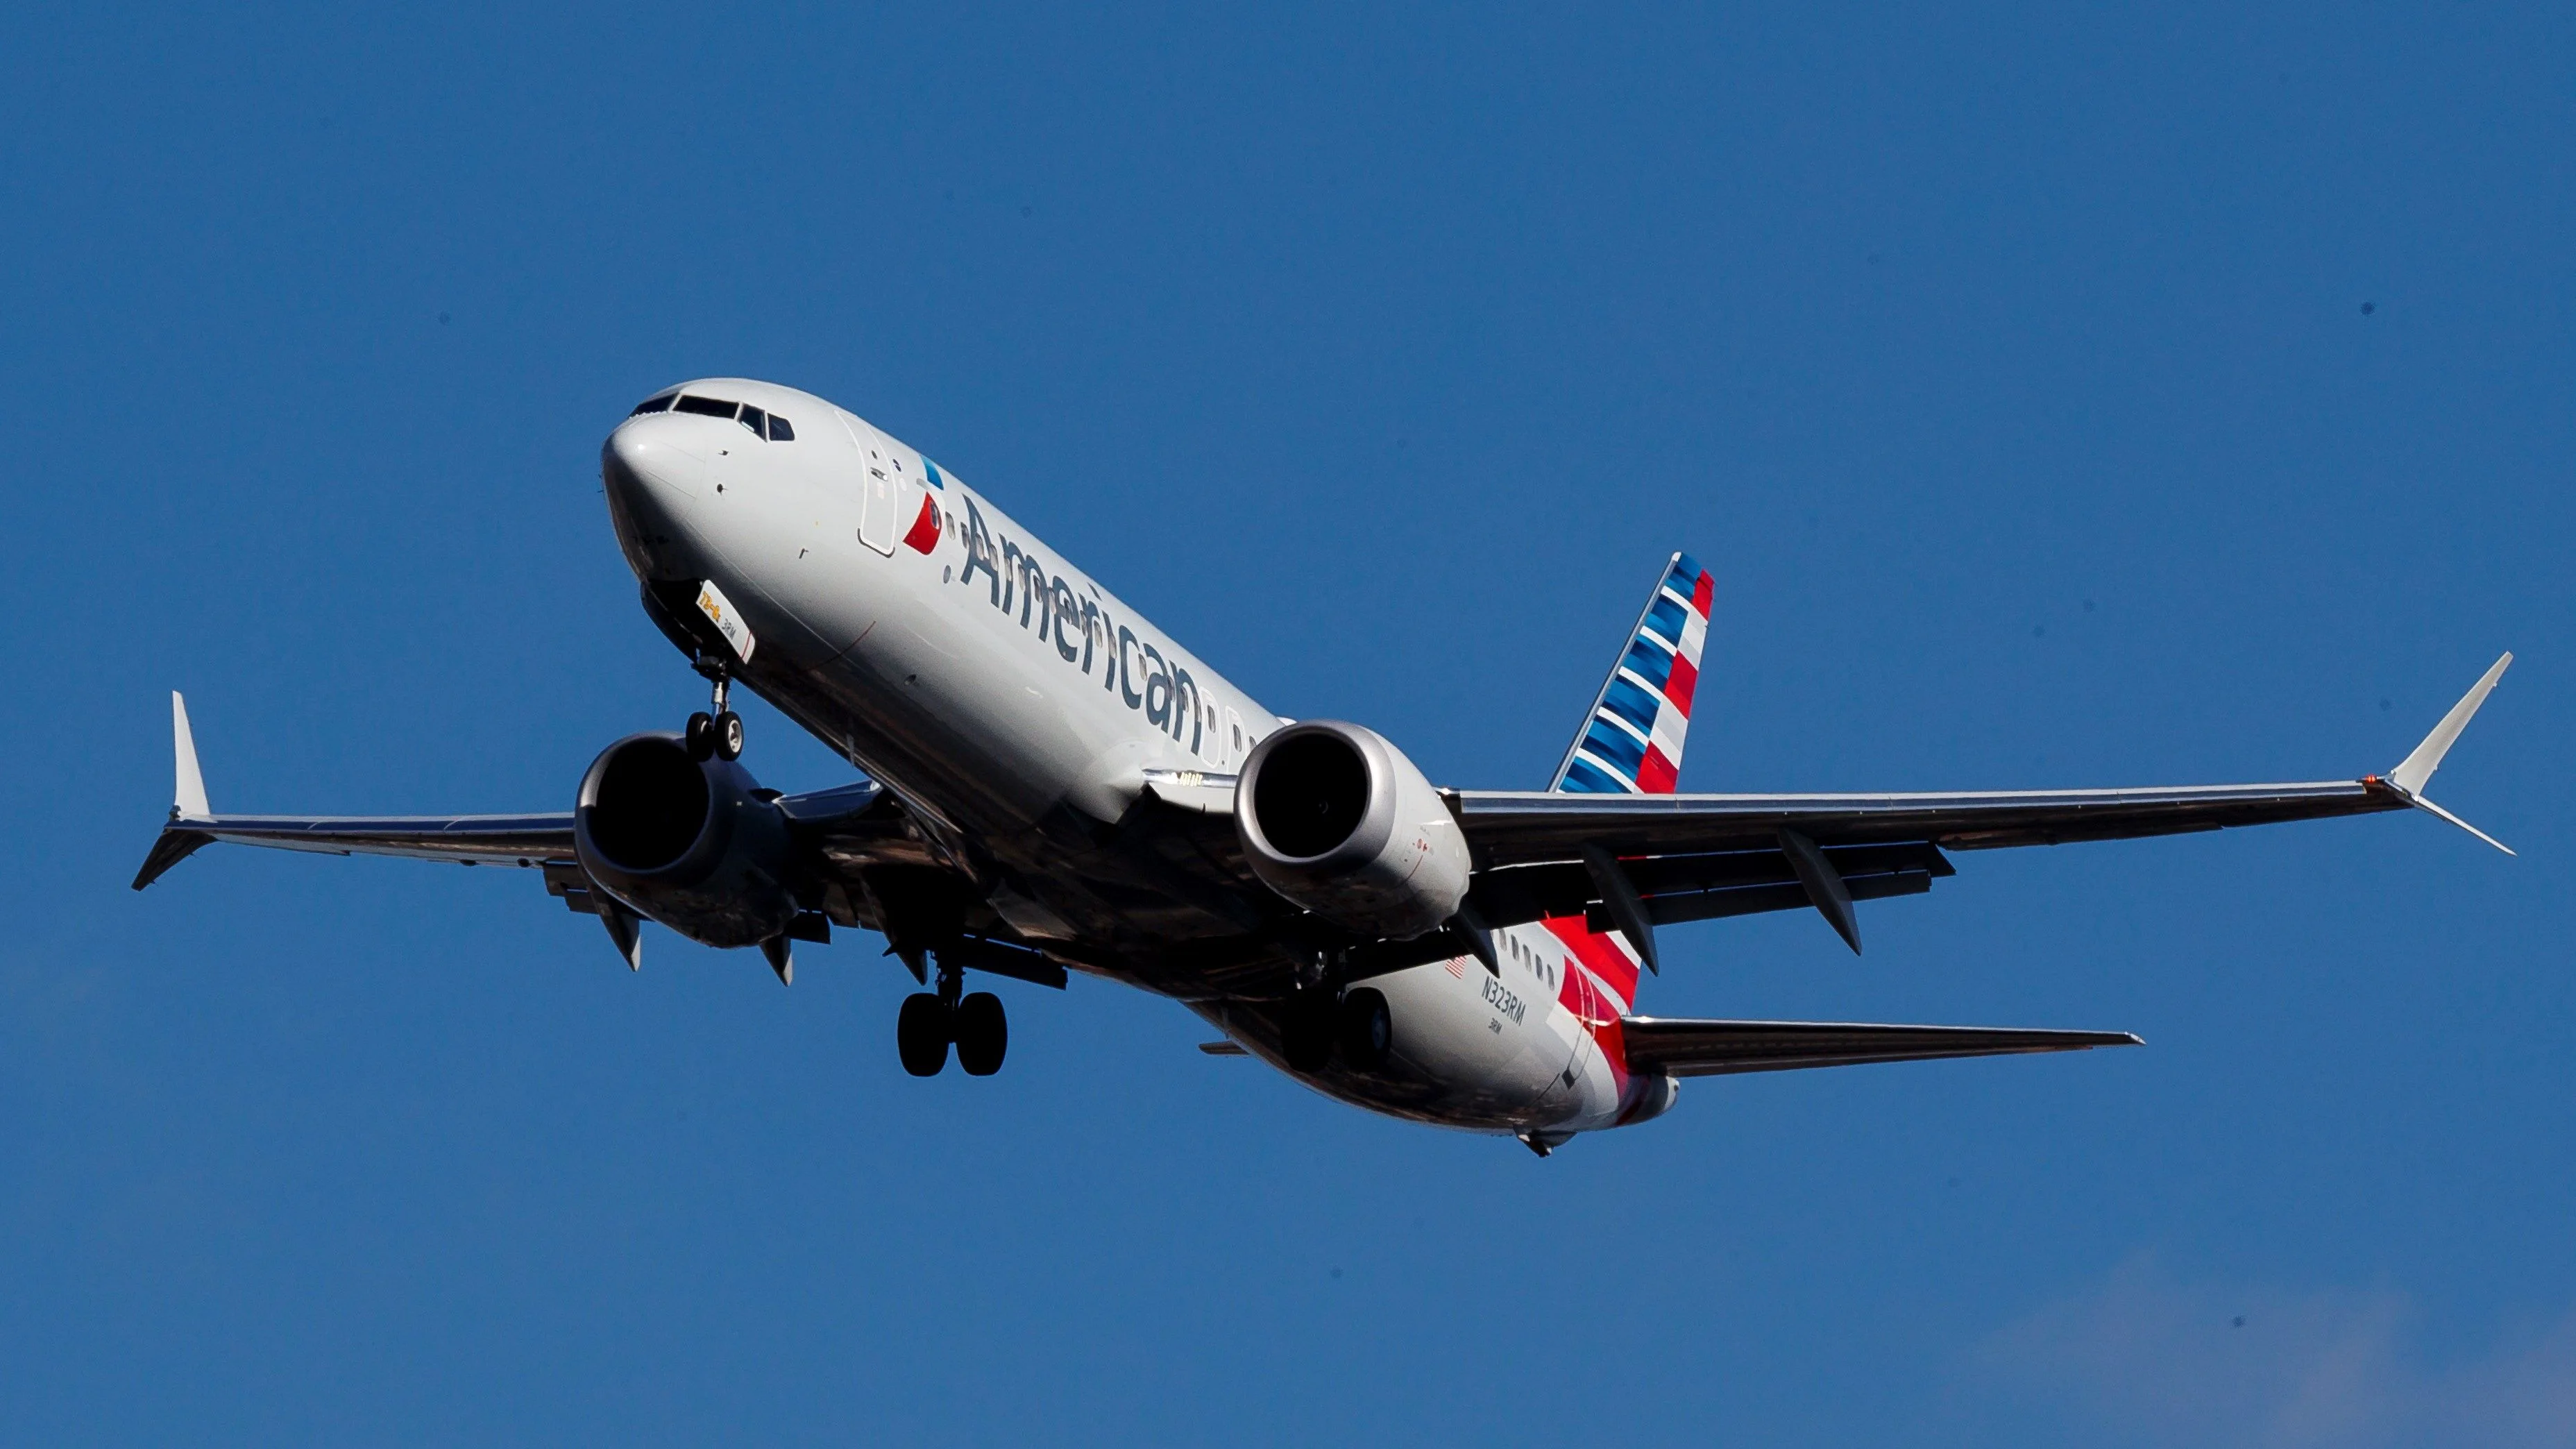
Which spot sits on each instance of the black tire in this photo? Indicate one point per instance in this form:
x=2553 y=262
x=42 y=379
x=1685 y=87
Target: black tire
x=1363 y=1029
x=921 y=1034
x=728 y=736
x=1306 y=1031
x=700 y=736
x=983 y=1034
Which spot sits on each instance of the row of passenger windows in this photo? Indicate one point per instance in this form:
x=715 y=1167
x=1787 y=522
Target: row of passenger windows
x=768 y=425
x=1540 y=965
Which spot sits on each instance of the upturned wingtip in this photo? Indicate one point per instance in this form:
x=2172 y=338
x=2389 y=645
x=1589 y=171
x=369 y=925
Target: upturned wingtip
x=188 y=801
x=2413 y=772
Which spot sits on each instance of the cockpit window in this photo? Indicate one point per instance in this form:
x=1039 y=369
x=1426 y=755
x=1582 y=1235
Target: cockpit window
x=762 y=424
x=653 y=404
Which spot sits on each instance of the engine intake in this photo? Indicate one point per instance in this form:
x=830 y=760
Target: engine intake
x=1337 y=820
x=693 y=844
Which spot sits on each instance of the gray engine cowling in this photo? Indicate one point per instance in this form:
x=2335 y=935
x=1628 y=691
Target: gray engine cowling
x=693 y=844
x=1337 y=820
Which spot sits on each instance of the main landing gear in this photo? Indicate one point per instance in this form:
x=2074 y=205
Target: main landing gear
x=931 y=1021
x=718 y=734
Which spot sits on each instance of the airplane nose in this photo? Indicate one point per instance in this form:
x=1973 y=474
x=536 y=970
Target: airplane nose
x=643 y=460
x=653 y=486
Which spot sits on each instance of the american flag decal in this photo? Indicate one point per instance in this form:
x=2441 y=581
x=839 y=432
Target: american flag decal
x=1631 y=743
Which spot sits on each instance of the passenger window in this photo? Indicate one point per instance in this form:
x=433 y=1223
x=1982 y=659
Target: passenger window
x=651 y=405
x=704 y=406
x=780 y=431
x=756 y=420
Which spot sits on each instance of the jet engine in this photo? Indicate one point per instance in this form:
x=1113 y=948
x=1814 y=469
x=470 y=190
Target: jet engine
x=1337 y=820
x=694 y=844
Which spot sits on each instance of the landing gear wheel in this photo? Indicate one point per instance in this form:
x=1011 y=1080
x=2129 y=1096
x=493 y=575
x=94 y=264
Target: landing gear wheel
x=700 y=736
x=728 y=736
x=983 y=1034
x=921 y=1034
x=1363 y=1029
x=1306 y=1031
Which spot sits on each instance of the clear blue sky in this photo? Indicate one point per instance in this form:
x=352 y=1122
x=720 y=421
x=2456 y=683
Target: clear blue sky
x=2062 y=396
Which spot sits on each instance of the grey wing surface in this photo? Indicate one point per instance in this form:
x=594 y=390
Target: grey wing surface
x=844 y=828
x=1660 y=859
x=1685 y=1048
x=853 y=821
x=526 y=840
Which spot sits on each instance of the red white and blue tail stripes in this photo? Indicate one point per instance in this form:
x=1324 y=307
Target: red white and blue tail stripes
x=1632 y=741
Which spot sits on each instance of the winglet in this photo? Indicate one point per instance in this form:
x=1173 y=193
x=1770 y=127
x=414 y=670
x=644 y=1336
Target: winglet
x=2412 y=773
x=177 y=841
x=2417 y=768
x=191 y=802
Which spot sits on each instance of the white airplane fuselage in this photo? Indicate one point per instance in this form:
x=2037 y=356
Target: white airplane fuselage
x=1019 y=710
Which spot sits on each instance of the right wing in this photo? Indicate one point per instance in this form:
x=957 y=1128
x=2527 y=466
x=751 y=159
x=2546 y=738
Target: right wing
x=524 y=840
x=847 y=827
x=1683 y=1048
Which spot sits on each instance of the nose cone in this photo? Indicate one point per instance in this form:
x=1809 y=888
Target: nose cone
x=653 y=485
x=644 y=455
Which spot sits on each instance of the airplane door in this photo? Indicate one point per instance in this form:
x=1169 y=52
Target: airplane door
x=1585 y=1008
x=876 y=487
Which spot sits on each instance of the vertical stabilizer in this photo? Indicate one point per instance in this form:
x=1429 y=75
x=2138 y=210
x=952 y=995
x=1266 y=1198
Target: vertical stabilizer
x=1631 y=742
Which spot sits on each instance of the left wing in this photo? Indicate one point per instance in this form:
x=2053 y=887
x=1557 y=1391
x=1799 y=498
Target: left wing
x=1683 y=1048
x=1652 y=860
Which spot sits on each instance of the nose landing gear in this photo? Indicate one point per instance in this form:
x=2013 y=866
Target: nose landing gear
x=931 y=1021
x=718 y=734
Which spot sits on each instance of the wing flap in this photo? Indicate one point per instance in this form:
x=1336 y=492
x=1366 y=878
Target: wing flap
x=1687 y=1048
x=1679 y=888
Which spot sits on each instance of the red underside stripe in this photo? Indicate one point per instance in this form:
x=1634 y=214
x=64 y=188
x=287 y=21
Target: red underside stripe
x=1600 y=953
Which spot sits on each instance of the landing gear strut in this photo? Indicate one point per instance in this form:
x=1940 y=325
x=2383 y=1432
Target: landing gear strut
x=718 y=734
x=931 y=1021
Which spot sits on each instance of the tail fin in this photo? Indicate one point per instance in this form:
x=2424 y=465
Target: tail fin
x=1631 y=742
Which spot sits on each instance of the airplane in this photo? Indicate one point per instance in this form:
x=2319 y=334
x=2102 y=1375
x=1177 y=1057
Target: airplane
x=1051 y=784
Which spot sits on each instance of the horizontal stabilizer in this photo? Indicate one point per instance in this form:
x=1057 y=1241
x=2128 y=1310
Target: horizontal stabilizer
x=1684 y=1048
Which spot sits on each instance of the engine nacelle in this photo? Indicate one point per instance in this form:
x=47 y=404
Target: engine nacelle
x=693 y=844
x=1337 y=820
